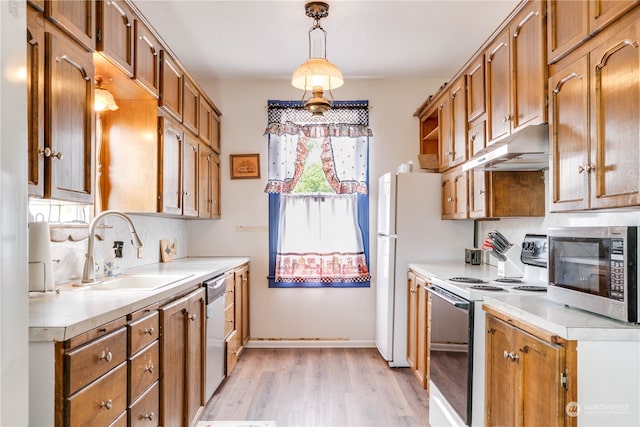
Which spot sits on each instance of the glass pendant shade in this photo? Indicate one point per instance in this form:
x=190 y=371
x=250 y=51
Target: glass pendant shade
x=317 y=72
x=103 y=100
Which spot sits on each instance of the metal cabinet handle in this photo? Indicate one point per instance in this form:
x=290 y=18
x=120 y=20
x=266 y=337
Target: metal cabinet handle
x=147 y=331
x=587 y=168
x=513 y=356
x=108 y=404
x=230 y=321
x=80 y=68
x=192 y=317
x=507 y=118
x=106 y=355
x=449 y=199
x=148 y=416
x=121 y=12
x=48 y=152
x=149 y=368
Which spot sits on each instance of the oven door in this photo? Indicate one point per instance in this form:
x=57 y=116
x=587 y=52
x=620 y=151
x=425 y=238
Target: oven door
x=450 y=347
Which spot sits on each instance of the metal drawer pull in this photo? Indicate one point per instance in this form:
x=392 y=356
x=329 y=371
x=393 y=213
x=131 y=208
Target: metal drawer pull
x=48 y=152
x=192 y=317
x=148 y=416
x=106 y=355
x=147 y=331
x=511 y=355
x=149 y=368
x=108 y=404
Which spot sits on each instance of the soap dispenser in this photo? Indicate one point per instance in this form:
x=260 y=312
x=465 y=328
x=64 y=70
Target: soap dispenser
x=109 y=264
x=117 y=252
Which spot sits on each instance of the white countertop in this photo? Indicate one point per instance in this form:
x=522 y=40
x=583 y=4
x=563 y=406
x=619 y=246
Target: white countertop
x=61 y=316
x=534 y=308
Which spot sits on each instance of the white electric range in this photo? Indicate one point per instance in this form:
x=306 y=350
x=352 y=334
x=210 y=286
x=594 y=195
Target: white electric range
x=458 y=328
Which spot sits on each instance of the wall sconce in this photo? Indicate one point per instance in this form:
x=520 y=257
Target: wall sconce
x=103 y=99
x=317 y=74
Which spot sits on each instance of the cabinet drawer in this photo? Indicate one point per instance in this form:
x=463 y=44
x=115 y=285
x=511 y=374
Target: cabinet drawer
x=143 y=370
x=121 y=421
x=144 y=412
x=229 y=322
x=84 y=364
x=99 y=403
x=142 y=332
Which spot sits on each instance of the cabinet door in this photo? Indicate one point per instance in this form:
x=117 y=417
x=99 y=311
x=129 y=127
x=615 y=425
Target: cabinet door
x=445 y=134
x=447 y=202
x=478 y=194
x=190 y=177
x=76 y=18
x=412 y=321
x=615 y=128
x=604 y=12
x=245 y=329
x=205 y=181
x=542 y=401
x=498 y=88
x=460 y=195
x=205 y=121
x=477 y=136
x=476 y=94
x=146 y=65
x=528 y=67
x=171 y=152
x=115 y=33
x=567 y=26
x=215 y=187
x=569 y=136
x=501 y=374
x=458 y=122
x=69 y=119
x=190 y=105
x=171 y=85
x=35 y=102
x=422 y=343
x=196 y=348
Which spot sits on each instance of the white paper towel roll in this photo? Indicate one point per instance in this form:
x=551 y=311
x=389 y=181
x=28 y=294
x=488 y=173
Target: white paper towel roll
x=40 y=265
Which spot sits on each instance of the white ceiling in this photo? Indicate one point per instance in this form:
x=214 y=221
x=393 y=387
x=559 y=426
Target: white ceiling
x=365 y=39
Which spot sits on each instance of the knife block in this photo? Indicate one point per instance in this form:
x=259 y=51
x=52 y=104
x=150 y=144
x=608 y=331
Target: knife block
x=512 y=267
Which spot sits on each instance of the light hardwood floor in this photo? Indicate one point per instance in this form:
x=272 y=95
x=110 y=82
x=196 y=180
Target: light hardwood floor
x=341 y=387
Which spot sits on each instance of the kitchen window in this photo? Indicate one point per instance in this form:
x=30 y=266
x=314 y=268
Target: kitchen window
x=318 y=195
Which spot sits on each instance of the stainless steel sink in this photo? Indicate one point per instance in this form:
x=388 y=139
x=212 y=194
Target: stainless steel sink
x=137 y=282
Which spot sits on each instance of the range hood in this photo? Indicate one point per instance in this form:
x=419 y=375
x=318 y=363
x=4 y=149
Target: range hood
x=527 y=150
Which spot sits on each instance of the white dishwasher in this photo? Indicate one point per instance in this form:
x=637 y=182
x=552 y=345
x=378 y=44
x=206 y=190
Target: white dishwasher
x=214 y=367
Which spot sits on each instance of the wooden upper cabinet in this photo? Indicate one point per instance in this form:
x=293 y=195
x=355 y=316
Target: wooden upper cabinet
x=478 y=183
x=569 y=139
x=458 y=95
x=516 y=69
x=76 y=18
x=445 y=135
x=208 y=183
x=498 y=87
x=146 y=64
x=190 y=178
x=454 y=194
x=171 y=152
x=615 y=108
x=171 y=85
x=209 y=124
x=572 y=22
x=69 y=119
x=190 y=105
x=476 y=89
x=528 y=67
x=35 y=102
x=115 y=25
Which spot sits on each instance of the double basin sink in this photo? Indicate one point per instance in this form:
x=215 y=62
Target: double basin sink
x=134 y=282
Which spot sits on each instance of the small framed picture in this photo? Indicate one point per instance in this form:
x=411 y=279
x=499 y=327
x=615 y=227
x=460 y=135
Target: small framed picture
x=245 y=166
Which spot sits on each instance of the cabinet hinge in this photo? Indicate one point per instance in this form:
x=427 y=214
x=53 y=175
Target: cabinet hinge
x=98 y=35
x=563 y=379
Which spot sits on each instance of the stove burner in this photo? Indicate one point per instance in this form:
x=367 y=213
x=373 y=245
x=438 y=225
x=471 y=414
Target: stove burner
x=486 y=288
x=531 y=288
x=508 y=280
x=467 y=280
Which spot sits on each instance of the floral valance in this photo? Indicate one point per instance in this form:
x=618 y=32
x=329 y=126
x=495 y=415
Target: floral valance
x=318 y=130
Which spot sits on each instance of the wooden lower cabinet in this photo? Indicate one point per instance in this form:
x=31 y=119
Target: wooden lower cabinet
x=236 y=315
x=418 y=328
x=182 y=347
x=530 y=374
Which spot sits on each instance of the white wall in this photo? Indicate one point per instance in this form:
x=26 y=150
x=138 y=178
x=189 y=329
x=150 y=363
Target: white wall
x=325 y=314
x=14 y=310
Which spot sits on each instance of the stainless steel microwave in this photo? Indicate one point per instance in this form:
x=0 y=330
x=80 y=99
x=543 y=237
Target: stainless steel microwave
x=595 y=269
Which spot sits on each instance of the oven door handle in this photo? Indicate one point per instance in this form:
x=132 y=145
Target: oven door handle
x=449 y=297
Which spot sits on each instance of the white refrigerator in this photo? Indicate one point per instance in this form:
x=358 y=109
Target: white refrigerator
x=409 y=231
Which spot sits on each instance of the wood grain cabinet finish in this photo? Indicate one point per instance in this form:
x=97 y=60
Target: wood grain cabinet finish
x=145 y=411
x=146 y=65
x=190 y=105
x=237 y=329
x=595 y=134
x=208 y=183
x=417 y=329
x=142 y=332
x=190 y=175
x=35 y=102
x=458 y=96
x=476 y=106
x=171 y=85
x=209 y=125
x=528 y=376
x=501 y=194
x=115 y=33
x=171 y=144
x=516 y=65
x=445 y=133
x=454 y=195
x=242 y=282
x=144 y=370
x=182 y=359
x=69 y=119
x=76 y=17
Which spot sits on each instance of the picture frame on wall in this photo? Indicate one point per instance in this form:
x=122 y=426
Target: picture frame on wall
x=245 y=166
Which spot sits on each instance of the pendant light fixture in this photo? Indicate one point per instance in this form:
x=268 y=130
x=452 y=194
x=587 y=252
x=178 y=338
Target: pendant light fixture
x=317 y=75
x=103 y=99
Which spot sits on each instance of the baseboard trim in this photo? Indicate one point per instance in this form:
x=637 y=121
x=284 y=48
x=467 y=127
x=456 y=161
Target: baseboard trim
x=309 y=343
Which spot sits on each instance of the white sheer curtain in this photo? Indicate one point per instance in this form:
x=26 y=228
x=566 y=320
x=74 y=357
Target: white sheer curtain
x=319 y=239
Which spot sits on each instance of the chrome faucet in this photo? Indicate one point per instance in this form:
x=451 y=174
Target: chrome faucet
x=89 y=272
